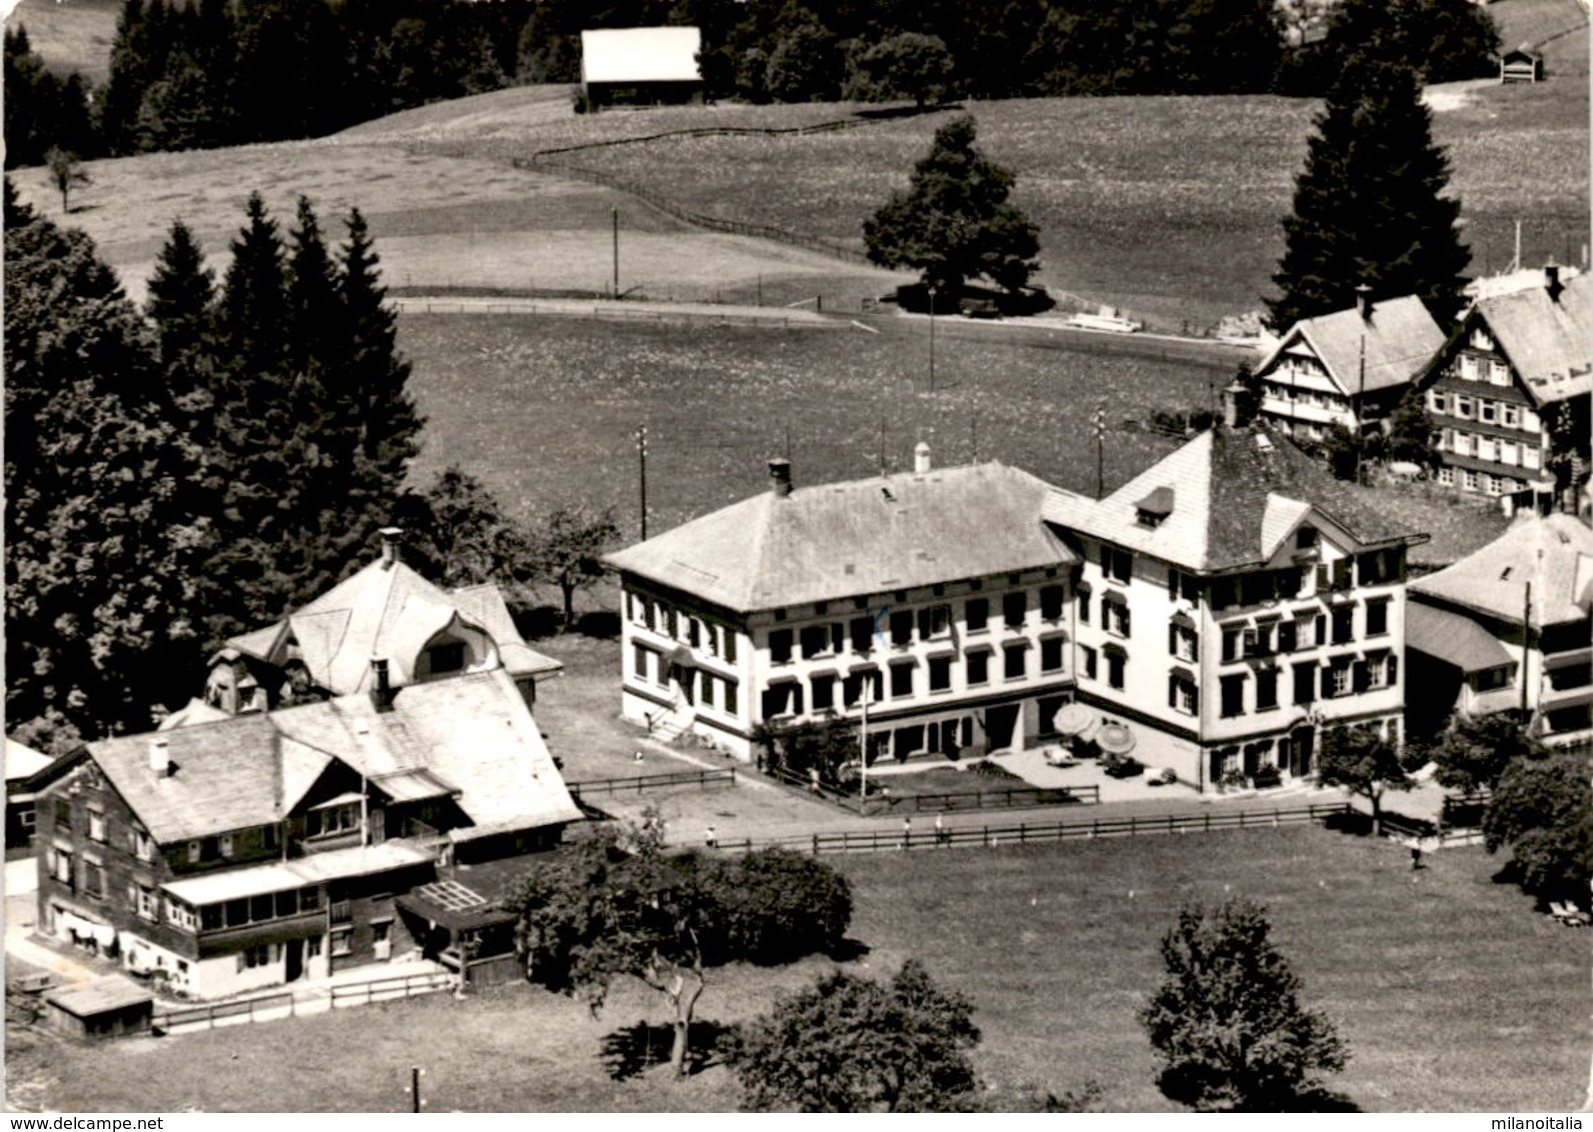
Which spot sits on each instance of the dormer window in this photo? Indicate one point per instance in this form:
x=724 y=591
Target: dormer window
x=1152 y=511
x=448 y=657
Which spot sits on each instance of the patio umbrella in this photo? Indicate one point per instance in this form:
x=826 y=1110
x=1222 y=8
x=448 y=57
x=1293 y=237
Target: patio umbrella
x=1114 y=739
x=1076 y=721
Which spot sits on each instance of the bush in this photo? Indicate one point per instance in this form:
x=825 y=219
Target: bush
x=774 y=906
x=1268 y=776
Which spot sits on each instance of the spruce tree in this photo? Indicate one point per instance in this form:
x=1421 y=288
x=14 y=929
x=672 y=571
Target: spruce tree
x=182 y=293
x=1371 y=205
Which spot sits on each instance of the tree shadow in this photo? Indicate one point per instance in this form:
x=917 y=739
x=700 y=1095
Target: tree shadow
x=632 y=1050
x=537 y=622
x=1354 y=822
x=603 y=624
x=849 y=950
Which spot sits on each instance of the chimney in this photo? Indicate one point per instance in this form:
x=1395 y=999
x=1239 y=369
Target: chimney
x=1551 y=281
x=382 y=694
x=780 y=477
x=1363 y=301
x=160 y=755
x=921 y=458
x=390 y=540
x=1238 y=405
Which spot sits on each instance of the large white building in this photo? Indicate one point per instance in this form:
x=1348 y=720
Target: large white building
x=936 y=602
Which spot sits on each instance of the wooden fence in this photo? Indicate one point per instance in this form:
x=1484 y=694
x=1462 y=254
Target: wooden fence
x=385 y=990
x=209 y=1016
x=270 y=1007
x=608 y=310
x=1015 y=798
x=640 y=783
x=1021 y=833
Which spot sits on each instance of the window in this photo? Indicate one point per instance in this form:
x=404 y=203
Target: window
x=1182 y=694
x=1492 y=678
x=1089 y=656
x=1183 y=642
x=1014 y=662
x=861 y=630
x=1233 y=695
x=1382 y=672
x=1463 y=407
x=939 y=673
x=1446 y=476
x=858 y=684
x=1116 y=615
x=780 y=646
x=649 y=613
x=1116 y=667
x=784 y=698
x=672 y=620
x=901 y=680
x=1230 y=645
x=143 y=844
x=1499 y=373
x=1266 y=689
x=823 y=692
x=731 y=706
x=934 y=621
x=147 y=907
x=730 y=646
x=1509 y=452
x=329 y=821
x=96 y=825
x=1084 y=606
x=287 y=903
x=639 y=661
x=1438 y=401
x=1510 y=415
x=1014 y=609
x=976 y=612
x=1288 y=636
x=978 y=667
x=901 y=628
x=1376 y=618
x=1530 y=456
x=1305 y=682
x=256 y=956
x=181 y=915
x=1469 y=480
x=447 y=657
x=815 y=640
x=1051 y=654
x=63 y=815
x=1343 y=624
x=93 y=879
x=1336 y=679
x=342 y=941
x=1118 y=565
x=1051 y=602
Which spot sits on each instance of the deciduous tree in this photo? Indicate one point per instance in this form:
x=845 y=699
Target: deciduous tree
x=955 y=222
x=1228 y=1023
x=850 y=1044
x=66 y=172
x=1372 y=205
x=909 y=65
x=569 y=546
x=1473 y=753
x=1542 y=809
x=1360 y=760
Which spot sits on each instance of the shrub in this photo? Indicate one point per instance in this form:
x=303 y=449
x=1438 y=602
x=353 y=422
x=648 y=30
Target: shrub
x=1268 y=776
x=774 y=906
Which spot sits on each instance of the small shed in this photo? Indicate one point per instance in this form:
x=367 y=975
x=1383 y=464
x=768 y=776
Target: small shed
x=112 y=1007
x=641 y=66
x=1523 y=65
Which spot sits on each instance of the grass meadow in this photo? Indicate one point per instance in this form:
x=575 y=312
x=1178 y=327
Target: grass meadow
x=1452 y=993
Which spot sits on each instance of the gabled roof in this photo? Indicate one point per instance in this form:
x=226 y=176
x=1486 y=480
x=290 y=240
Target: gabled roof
x=857 y=537
x=1400 y=339
x=23 y=761
x=1553 y=553
x=1238 y=494
x=386 y=610
x=471 y=737
x=640 y=55
x=1549 y=343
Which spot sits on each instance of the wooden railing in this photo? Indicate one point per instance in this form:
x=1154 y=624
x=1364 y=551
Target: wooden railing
x=644 y=782
x=384 y=990
x=1013 y=798
x=270 y=1007
x=216 y=1014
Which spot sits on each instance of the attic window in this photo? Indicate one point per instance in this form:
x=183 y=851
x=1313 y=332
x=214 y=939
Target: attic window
x=448 y=657
x=1153 y=510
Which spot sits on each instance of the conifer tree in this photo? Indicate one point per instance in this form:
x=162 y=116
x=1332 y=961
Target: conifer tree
x=1372 y=205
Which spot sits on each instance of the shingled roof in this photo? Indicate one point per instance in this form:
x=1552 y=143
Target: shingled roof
x=387 y=610
x=1554 y=553
x=1400 y=338
x=1236 y=495
x=857 y=537
x=470 y=737
x=1550 y=342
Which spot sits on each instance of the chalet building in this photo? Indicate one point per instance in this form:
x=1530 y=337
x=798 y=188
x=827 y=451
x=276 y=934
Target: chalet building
x=27 y=772
x=1518 y=364
x=270 y=846
x=387 y=610
x=1234 y=600
x=640 y=66
x=1508 y=628
x=932 y=609
x=293 y=821
x=1348 y=368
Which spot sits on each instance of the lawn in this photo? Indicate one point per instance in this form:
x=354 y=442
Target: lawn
x=1450 y=991
x=71 y=35
x=545 y=411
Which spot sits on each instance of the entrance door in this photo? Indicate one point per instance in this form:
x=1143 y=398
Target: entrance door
x=1001 y=725
x=295 y=960
x=1300 y=751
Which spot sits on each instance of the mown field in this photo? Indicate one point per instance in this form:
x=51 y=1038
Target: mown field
x=1452 y=993
x=545 y=411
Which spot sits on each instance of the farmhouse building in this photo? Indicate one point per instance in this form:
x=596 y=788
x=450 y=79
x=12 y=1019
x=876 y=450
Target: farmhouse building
x=1234 y=600
x=27 y=772
x=1508 y=392
x=640 y=66
x=1349 y=368
x=935 y=604
x=1508 y=628
x=386 y=610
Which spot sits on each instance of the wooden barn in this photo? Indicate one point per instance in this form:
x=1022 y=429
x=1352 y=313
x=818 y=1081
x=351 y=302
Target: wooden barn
x=640 y=66
x=1523 y=65
x=112 y=1007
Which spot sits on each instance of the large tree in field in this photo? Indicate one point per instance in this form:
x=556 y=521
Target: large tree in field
x=1360 y=760
x=850 y=1044
x=1228 y=1023
x=1444 y=40
x=104 y=547
x=1473 y=754
x=1372 y=205
x=568 y=550
x=955 y=223
x=1542 y=809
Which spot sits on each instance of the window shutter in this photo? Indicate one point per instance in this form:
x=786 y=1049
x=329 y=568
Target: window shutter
x=1391 y=670
x=1362 y=676
x=1327 y=681
x=1172 y=640
x=1286 y=636
x=1172 y=583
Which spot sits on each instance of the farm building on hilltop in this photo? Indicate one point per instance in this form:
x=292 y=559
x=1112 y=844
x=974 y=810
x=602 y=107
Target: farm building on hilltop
x=640 y=66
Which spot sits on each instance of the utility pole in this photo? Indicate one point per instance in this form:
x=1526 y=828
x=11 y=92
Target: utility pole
x=641 y=460
x=1526 y=647
x=614 y=218
x=973 y=432
x=932 y=339
x=1100 y=449
x=414 y=1088
x=1363 y=295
